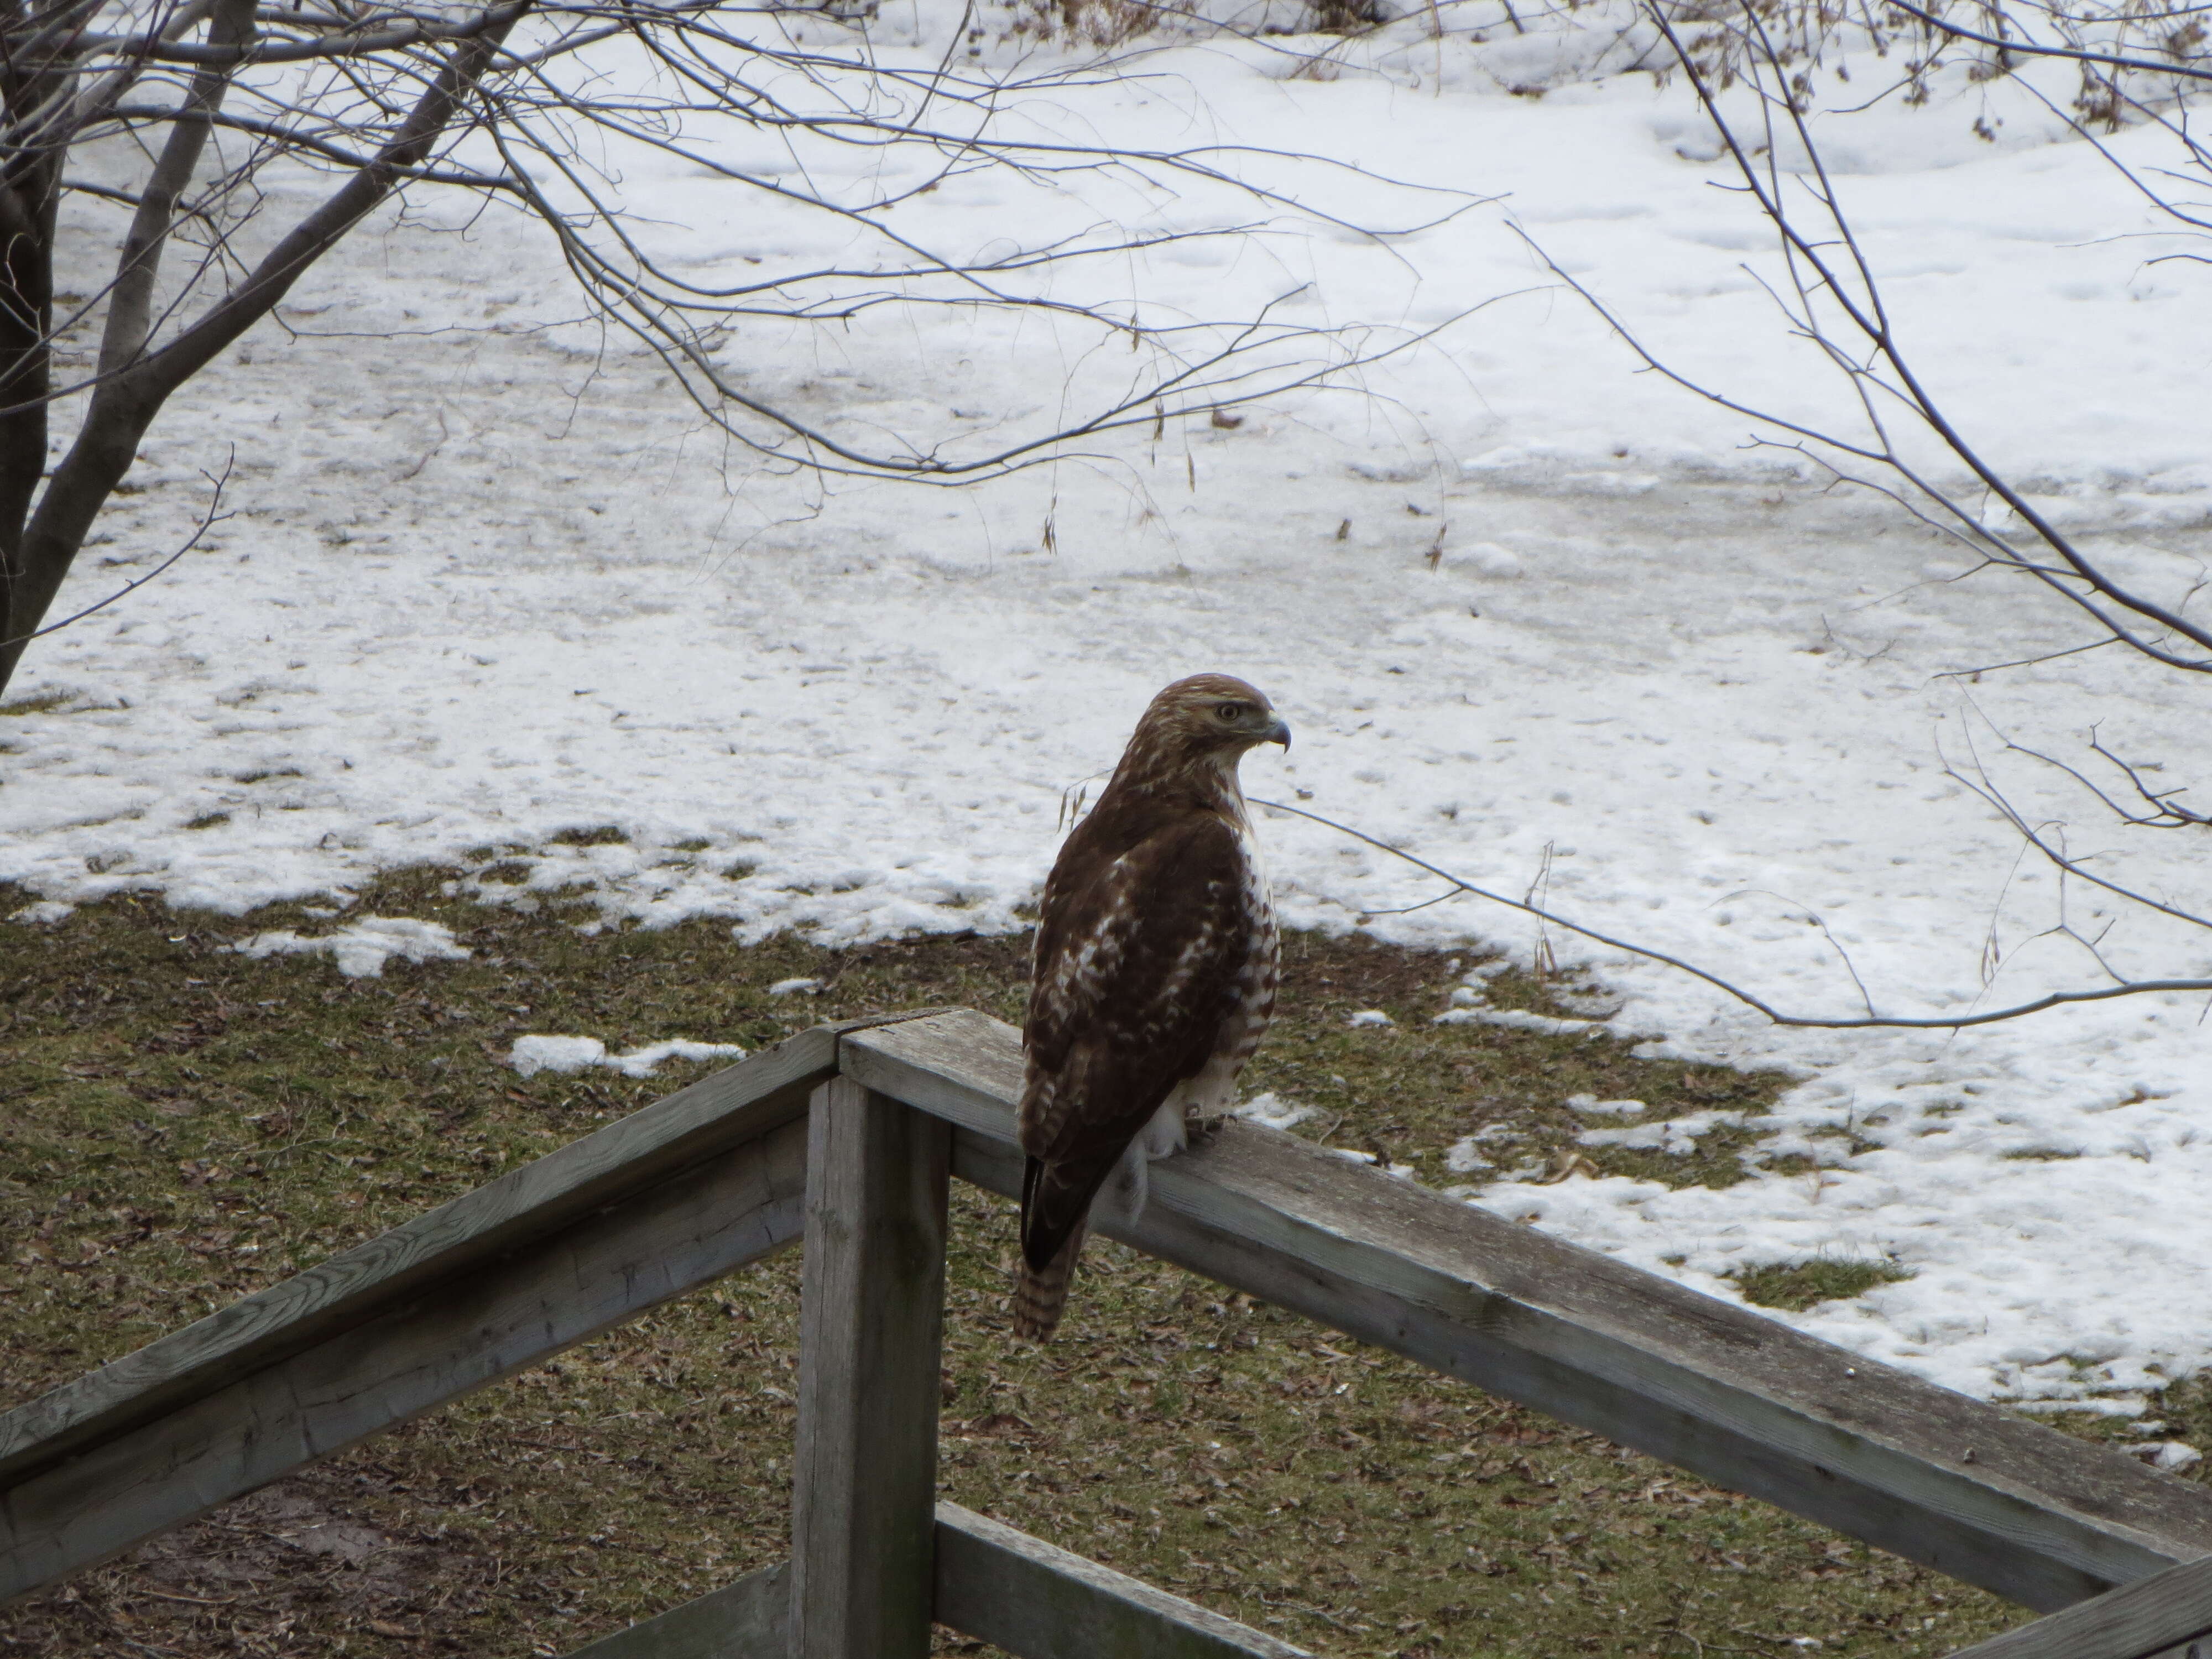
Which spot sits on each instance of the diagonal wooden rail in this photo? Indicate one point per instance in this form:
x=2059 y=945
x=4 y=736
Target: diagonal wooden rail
x=721 y=1174
x=1746 y=1402
x=499 y=1280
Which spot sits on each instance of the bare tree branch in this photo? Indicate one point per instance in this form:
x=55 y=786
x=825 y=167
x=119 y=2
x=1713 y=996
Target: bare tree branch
x=388 y=97
x=1749 y=998
x=209 y=519
x=125 y=401
x=130 y=302
x=1864 y=311
x=343 y=41
x=1830 y=296
x=2021 y=47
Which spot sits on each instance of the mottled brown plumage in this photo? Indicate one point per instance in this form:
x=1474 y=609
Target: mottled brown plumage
x=1154 y=976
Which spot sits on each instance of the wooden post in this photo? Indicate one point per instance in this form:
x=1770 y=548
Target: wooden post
x=871 y=1338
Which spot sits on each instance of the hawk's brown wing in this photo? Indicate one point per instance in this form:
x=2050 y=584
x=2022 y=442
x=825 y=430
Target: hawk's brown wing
x=1137 y=967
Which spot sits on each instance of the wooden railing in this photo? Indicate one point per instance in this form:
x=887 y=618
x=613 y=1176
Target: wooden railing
x=848 y=1133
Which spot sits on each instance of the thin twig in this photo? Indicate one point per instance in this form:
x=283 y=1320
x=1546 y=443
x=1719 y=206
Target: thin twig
x=207 y=521
x=2056 y=999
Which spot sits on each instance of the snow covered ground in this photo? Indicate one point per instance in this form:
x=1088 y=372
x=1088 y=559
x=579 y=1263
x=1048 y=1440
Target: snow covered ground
x=488 y=582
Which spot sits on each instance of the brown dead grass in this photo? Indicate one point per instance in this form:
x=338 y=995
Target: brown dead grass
x=180 y=1125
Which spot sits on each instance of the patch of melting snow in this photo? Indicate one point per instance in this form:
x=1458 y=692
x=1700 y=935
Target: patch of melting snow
x=1515 y=1019
x=2171 y=1455
x=46 y=912
x=1676 y=1136
x=1483 y=559
x=1461 y=1158
x=362 y=950
x=1272 y=1111
x=533 y=1054
x=1591 y=1004
x=1609 y=1107
x=791 y=987
x=1370 y=1016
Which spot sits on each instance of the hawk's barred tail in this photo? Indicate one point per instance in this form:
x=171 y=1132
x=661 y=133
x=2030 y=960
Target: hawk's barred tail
x=1040 y=1293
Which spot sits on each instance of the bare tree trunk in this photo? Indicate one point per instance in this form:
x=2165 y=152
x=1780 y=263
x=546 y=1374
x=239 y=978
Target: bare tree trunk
x=130 y=393
x=30 y=199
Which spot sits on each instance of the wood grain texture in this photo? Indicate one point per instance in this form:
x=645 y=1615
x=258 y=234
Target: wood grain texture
x=450 y=1337
x=1743 y=1401
x=864 y=1485
x=736 y=1104
x=1036 y=1601
x=748 y=1619
x=2155 y=1618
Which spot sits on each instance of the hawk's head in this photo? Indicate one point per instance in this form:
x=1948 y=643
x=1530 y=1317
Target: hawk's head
x=1206 y=721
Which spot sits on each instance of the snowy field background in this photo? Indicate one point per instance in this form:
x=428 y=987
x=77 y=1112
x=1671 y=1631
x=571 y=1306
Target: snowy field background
x=489 y=581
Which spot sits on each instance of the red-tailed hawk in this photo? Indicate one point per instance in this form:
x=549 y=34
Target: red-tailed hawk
x=1154 y=977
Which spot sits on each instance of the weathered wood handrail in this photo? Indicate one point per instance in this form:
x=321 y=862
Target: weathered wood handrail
x=714 y=1177
x=2150 y=1619
x=2039 y=1517
x=499 y=1280
x=733 y=1106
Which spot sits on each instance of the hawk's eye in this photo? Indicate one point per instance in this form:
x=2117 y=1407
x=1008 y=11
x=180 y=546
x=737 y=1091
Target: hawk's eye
x=1230 y=711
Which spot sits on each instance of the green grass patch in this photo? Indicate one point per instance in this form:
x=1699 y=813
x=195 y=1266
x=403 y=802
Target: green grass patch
x=2182 y=1410
x=181 y=1125
x=1803 y=1285
x=1408 y=1091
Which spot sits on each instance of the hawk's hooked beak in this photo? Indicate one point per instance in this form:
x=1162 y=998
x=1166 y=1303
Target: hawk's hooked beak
x=1279 y=732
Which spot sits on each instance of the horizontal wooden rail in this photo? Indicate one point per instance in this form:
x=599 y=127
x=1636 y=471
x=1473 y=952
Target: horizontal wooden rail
x=1746 y=1402
x=1021 y=1595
